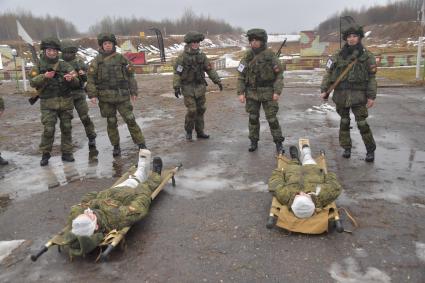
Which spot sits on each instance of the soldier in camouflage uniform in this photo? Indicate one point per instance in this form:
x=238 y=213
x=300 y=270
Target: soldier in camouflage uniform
x=2 y=161
x=306 y=179
x=356 y=91
x=54 y=79
x=111 y=80
x=189 y=80
x=260 y=82
x=115 y=208
x=69 y=52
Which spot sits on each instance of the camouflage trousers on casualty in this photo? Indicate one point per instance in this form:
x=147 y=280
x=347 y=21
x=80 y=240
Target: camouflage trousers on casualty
x=109 y=110
x=360 y=113
x=271 y=108
x=82 y=108
x=194 y=100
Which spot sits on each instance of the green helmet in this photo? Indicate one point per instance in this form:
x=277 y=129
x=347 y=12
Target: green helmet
x=50 y=42
x=102 y=37
x=352 y=29
x=69 y=46
x=193 y=36
x=257 y=33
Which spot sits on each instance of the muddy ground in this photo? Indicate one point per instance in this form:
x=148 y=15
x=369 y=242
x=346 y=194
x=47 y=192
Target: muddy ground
x=211 y=226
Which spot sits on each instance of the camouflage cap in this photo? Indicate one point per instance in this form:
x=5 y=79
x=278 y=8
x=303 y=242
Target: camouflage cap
x=50 y=42
x=257 y=33
x=193 y=36
x=102 y=37
x=352 y=29
x=69 y=46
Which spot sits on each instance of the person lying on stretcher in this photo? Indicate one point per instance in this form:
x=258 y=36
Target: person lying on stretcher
x=114 y=208
x=302 y=185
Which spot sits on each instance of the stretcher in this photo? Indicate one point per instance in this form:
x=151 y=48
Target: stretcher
x=324 y=219
x=114 y=237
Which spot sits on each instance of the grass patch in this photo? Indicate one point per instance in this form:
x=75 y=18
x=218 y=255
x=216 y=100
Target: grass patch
x=404 y=75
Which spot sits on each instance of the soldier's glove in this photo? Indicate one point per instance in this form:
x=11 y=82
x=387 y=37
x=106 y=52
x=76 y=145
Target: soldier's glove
x=177 y=92
x=220 y=86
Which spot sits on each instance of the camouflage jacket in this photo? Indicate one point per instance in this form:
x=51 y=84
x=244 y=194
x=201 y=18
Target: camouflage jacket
x=79 y=65
x=358 y=85
x=56 y=86
x=1 y=104
x=308 y=178
x=190 y=68
x=110 y=75
x=260 y=73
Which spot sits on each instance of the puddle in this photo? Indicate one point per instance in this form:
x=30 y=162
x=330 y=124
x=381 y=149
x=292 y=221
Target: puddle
x=350 y=272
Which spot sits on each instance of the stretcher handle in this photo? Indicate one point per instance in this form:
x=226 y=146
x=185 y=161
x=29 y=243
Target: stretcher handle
x=43 y=249
x=104 y=255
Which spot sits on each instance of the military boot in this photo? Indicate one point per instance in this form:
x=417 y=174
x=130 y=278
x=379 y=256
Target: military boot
x=293 y=152
x=117 y=151
x=157 y=165
x=279 y=148
x=93 y=153
x=189 y=135
x=45 y=159
x=68 y=157
x=370 y=156
x=253 y=147
x=202 y=135
x=346 y=153
x=142 y=146
x=92 y=142
x=3 y=161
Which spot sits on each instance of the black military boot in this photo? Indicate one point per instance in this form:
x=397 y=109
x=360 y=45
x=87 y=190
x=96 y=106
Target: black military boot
x=117 y=151
x=189 y=135
x=346 y=153
x=157 y=165
x=3 y=161
x=142 y=146
x=92 y=142
x=202 y=135
x=45 y=159
x=253 y=147
x=279 y=148
x=293 y=152
x=68 y=157
x=370 y=156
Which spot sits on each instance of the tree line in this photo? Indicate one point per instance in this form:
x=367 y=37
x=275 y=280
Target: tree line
x=394 y=11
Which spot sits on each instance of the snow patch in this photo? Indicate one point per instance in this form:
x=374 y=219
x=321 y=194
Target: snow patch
x=420 y=251
x=7 y=247
x=352 y=273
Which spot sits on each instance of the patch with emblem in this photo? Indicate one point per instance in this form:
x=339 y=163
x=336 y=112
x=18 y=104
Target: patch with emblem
x=179 y=68
x=241 y=67
x=329 y=63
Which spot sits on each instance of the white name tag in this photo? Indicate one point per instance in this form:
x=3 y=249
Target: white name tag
x=179 y=68
x=241 y=67
x=329 y=64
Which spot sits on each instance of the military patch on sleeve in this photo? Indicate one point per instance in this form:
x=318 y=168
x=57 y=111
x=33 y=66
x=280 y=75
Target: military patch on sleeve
x=329 y=63
x=179 y=68
x=241 y=67
x=276 y=69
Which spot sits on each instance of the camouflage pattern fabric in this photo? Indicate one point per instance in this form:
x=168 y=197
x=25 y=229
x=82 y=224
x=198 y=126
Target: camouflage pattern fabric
x=355 y=89
x=189 y=75
x=111 y=79
x=260 y=76
x=294 y=178
x=1 y=104
x=55 y=102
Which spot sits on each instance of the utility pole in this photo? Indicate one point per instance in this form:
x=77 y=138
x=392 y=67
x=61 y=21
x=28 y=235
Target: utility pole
x=420 y=39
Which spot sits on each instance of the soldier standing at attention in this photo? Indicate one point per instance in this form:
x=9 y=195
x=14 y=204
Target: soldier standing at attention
x=356 y=90
x=260 y=82
x=2 y=161
x=53 y=78
x=189 y=80
x=69 y=52
x=110 y=79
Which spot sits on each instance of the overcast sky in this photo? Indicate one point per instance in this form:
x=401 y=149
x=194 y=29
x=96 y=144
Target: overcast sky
x=273 y=15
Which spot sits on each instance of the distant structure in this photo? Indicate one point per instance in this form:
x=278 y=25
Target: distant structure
x=311 y=46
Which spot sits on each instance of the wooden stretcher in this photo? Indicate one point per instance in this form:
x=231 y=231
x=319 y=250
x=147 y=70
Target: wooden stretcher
x=114 y=237
x=323 y=220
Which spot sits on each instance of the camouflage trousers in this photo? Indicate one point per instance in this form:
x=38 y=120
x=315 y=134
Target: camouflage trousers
x=360 y=113
x=194 y=100
x=270 y=109
x=82 y=108
x=109 y=110
x=49 y=118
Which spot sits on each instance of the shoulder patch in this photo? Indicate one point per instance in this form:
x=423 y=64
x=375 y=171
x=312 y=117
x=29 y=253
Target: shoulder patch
x=179 y=68
x=241 y=67
x=329 y=63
